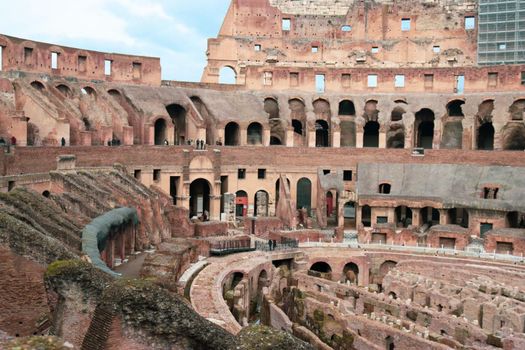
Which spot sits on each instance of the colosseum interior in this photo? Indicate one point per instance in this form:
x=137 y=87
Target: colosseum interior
x=358 y=185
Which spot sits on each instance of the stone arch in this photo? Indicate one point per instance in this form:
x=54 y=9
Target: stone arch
x=517 y=110
x=200 y=190
x=346 y=108
x=254 y=134
x=177 y=114
x=88 y=91
x=485 y=128
x=231 y=134
x=385 y=268
x=371 y=113
x=424 y=128
x=513 y=136
x=201 y=163
x=350 y=273
x=322 y=109
x=241 y=203
x=64 y=90
x=455 y=109
x=304 y=194
x=160 y=130
x=397 y=114
x=371 y=134
x=228 y=75
x=298 y=117
x=277 y=127
x=321 y=266
x=37 y=85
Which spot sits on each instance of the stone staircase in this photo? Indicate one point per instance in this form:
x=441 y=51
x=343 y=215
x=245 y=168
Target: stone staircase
x=98 y=331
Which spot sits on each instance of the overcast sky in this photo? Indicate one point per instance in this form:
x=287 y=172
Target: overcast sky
x=174 y=30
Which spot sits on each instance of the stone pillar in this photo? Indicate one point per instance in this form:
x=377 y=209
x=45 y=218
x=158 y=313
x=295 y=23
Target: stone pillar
x=289 y=137
x=229 y=207
x=359 y=135
x=185 y=197
x=336 y=139
x=266 y=137
x=215 y=202
x=311 y=138
x=149 y=135
x=127 y=136
x=220 y=135
x=443 y=217
x=416 y=217
x=243 y=135
x=382 y=138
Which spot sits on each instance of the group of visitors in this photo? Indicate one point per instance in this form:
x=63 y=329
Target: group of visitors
x=272 y=244
x=4 y=143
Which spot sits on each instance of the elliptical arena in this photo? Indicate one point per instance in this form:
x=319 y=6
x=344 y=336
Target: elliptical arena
x=360 y=185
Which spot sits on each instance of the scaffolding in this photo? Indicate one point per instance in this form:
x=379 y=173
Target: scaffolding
x=501 y=32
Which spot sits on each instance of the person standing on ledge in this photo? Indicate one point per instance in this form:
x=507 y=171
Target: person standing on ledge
x=63 y=142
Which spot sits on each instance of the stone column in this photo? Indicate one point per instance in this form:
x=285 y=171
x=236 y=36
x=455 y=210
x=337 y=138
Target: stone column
x=416 y=217
x=336 y=139
x=289 y=137
x=243 y=135
x=443 y=217
x=220 y=135
x=266 y=137
x=215 y=202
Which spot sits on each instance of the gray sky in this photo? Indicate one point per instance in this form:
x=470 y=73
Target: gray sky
x=174 y=30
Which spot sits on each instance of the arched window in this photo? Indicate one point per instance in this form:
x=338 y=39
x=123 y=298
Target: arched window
x=454 y=108
x=64 y=90
x=424 y=125
x=160 y=131
x=227 y=75
x=346 y=107
x=38 y=86
x=486 y=136
x=384 y=188
x=177 y=114
x=231 y=134
x=255 y=131
x=321 y=133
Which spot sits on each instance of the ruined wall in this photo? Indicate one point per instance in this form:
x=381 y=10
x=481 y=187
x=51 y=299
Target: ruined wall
x=31 y=56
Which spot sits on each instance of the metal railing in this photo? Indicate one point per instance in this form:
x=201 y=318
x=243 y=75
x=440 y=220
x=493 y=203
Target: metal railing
x=287 y=244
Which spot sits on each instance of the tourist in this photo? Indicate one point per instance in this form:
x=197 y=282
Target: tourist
x=274 y=243
x=13 y=141
x=63 y=141
x=166 y=143
x=270 y=243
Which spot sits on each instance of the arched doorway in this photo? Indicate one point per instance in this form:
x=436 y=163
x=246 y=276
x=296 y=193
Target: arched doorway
x=304 y=194
x=371 y=135
x=160 y=131
x=350 y=273
x=200 y=198
x=321 y=133
x=255 y=131
x=227 y=75
x=349 y=214
x=486 y=136
x=261 y=203
x=231 y=134
x=424 y=125
x=321 y=269
x=384 y=269
x=241 y=203
x=177 y=114
x=346 y=107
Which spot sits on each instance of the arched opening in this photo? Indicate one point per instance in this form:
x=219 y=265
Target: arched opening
x=458 y=216
x=46 y=194
x=424 y=125
x=385 y=188
x=160 y=131
x=371 y=134
x=366 y=216
x=200 y=190
x=231 y=134
x=403 y=216
x=274 y=141
x=277 y=129
x=321 y=133
x=429 y=216
x=396 y=136
x=371 y=113
x=346 y=107
x=88 y=91
x=513 y=136
x=114 y=93
x=298 y=117
x=321 y=267
x=64 y=90
x=38 y=86
x=349 y=214
x=517 y=110
x=516 y=219
x=454 y=108
x=384 y=269
x=350 y=273
x=261 y=203
x=227 y=75
x=389 y=343
x=177 y=114
x=241 y=203
x=304 y=194
x=329 y=204
x=486 y=136
x=397 y=114
x=255 y=131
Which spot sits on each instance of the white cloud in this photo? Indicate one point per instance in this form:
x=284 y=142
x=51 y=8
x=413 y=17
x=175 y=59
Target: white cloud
x=141 y=8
